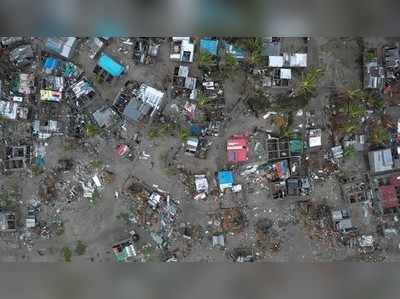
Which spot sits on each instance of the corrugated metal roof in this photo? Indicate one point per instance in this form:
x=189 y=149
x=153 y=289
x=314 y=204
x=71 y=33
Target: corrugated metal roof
x=110 y=65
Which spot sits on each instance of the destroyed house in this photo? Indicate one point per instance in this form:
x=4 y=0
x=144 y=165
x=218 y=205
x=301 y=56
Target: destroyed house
x=237 y=149
x=182 y=49
x=278 y=148
x=280 y=170
x=389 y=193
x=391 y=57
x=9 y=110
x=124 y=251
x=52 y=88
x=10 y=40
x=354 y=190
x=146 y=102
x=374 y=74
x=182 y=80
x=235 y=51
x=342 y=220
x=22 y=55
x=8 y=221
x=16 y=157
x=82 y=89
x=94 y=44
x=63 y=46
x=24 y=84
x=45 y=129
x=104 y=117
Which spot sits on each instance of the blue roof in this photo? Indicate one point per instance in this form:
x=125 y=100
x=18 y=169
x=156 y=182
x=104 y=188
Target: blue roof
x=110 y=65
x=195 y=130
x=236 y=52
x=209 y=45
x=225 y=177
x=50 y=63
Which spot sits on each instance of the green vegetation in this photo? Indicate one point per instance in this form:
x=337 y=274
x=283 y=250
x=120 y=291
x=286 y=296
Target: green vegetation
x=255 y=47
x=67 y=254
x=356 y=110
x=308 y=83
x=92 y=130
x=95 y=197
x=204 y=60
x=354 y=107
x=380 y=135
x=230 y=61
x=348 y=152
x=162 y=130
x=183 y=134
x=203 y=101
x=60 y=229
x=8 y=200
x=96 y=163
x=259 y=103
x=287 y=132
x=3 y=120
x=36 y=170
x=169 y=129
x=228 y=65
x=124 y=216
x=80 y=248
x=290 y=104
x=371 y=56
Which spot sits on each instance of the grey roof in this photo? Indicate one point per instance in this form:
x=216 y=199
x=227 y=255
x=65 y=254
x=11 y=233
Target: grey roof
x=344 y=224
x=272 y=48
x=381 y=160
x=218 y=240
x=136 y=110
x=104 y=116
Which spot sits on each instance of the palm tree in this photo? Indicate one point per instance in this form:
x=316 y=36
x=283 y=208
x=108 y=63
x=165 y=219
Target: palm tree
x=255 y=48
x=308 y=82
x=204 y=59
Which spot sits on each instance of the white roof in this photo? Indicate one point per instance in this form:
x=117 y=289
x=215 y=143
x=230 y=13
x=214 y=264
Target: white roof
x=30 y=222
x=187 y=47
x=96 y=181
x=275 y=61
x=67 y=47
x=315 y=138
x=201 y=183
x=8 y=109
x=183 y=71
x=193 y=142
x=299 y=60
x=286 y=74
x=82 y=88
x=151 y=96
x=180 y=38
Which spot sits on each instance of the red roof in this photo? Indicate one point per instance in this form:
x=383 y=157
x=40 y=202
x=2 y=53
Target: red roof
x=388 y=193
x=237 y=148
x=121 y=149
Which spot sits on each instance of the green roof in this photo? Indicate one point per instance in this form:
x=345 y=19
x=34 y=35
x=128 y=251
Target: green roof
x=296 y=146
